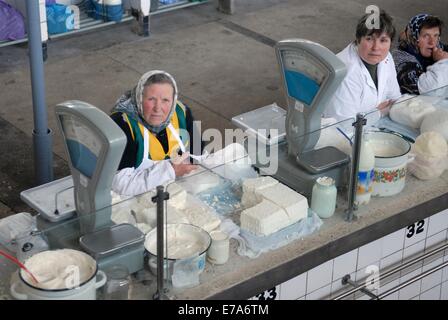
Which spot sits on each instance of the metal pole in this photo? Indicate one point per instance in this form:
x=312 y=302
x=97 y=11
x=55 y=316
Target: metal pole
x=358 y=124
x=159 y=199
x=42 y=135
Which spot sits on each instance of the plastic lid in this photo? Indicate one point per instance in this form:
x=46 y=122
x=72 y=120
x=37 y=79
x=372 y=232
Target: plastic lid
x=325 y=181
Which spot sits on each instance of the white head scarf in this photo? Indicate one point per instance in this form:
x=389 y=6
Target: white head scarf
x=131 y=102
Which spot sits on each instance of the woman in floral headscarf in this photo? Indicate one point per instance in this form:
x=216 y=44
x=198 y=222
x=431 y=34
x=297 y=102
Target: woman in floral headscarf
x=157 y=126
x=421 y=60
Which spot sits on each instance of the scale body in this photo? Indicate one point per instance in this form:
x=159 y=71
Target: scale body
x=94 y=144
x=310 y=75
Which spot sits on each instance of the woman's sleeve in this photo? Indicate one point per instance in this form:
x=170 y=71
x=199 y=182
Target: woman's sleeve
x=436 y=76
x=129 y=156
x=408 y=71
x=131 y=182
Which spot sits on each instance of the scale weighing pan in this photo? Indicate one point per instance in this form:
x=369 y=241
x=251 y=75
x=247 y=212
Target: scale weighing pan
x=259 y=123
x=43 y=199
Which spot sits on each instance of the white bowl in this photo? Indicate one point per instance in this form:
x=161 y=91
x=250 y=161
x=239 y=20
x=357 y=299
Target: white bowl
x=185 y=241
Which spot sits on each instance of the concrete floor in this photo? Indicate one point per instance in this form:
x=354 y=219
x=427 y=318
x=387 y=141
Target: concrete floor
x=224 y=65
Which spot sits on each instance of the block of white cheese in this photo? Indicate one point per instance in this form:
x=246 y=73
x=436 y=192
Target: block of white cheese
x=264 y=218
x=252 y=186
x=199 y=214
x=149 y=216
x=178 y=196
x=295 y=205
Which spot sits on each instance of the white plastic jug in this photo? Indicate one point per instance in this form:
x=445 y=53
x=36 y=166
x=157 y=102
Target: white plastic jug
x=366 y=174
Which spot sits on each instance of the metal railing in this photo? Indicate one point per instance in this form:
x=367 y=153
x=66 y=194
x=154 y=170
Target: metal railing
x=363 y=287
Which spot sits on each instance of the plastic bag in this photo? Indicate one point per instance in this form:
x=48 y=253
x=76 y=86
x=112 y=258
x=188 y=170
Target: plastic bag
x=427 y=167
x=15 y=226
x=12 y=25
x=60 y=18
x=253 y=246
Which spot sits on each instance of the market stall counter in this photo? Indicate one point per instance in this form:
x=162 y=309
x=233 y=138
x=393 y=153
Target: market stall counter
x=304 y=251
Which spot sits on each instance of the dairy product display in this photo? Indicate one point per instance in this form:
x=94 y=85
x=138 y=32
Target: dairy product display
x=295 y=205
x=201 y=181
x=180 y=208
x=54 y=269
x=250 y=188
x=178 y=196
x=436 y=121
x=272 y=206
x=200 y=215
x=366 y=173
x=264 y=218
x=431 y=156
x=412 y=112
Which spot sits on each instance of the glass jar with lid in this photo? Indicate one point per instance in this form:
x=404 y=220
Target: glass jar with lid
x=323 y=197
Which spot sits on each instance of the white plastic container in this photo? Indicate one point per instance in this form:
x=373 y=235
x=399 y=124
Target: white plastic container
x=366 y=173
x=218 y=253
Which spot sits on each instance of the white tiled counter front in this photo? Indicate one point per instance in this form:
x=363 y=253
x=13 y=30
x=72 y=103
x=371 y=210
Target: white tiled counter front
x=324 y=281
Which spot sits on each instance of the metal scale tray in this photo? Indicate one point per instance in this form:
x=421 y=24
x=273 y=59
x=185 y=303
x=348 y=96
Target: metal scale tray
x=43 y=199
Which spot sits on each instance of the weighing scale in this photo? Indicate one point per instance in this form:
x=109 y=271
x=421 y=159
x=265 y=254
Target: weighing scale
x=310 y=74
x=95 y=145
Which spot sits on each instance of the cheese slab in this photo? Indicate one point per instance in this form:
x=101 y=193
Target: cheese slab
x=264 y=218
x=295 y=205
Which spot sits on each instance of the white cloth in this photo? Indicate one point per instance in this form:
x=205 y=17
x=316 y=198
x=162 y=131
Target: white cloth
x=436 y=76
x=149 y=174
x=357 y=92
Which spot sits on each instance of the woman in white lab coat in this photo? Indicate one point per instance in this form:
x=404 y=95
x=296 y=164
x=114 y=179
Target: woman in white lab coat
x=371 y=81
x=157 y=125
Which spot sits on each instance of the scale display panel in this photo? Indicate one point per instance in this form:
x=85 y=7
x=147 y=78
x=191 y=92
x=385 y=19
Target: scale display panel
x=84 y=146
x=304 y=75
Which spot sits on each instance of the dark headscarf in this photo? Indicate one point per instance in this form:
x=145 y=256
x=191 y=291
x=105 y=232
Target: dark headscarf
x=409 y=38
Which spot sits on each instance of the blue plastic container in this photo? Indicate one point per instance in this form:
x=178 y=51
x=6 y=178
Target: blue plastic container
x=109 y=10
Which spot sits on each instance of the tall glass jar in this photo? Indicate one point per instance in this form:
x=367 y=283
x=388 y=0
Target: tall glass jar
x=323 y=197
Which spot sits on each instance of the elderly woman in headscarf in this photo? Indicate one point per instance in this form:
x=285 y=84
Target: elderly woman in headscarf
x=421 y=60
x=158 y=128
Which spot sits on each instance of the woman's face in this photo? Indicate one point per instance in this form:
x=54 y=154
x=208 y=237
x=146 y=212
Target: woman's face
x=428 y=39
x=373 y=49
x=157 y=102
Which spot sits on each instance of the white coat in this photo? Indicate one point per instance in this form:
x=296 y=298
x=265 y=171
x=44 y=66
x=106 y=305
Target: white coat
x=436 y=76
x=357 y=92
x=149 y=174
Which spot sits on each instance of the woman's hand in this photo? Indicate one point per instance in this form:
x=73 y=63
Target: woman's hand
x=182 y=169
x=438 y=54
x=384 y=107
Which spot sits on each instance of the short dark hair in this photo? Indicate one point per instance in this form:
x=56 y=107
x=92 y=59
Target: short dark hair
x=432 y=22
x=386 y=26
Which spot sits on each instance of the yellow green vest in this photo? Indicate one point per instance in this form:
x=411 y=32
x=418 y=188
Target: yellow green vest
x=156 y=152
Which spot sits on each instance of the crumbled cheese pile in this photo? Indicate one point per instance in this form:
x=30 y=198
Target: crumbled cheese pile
x=181 y=208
